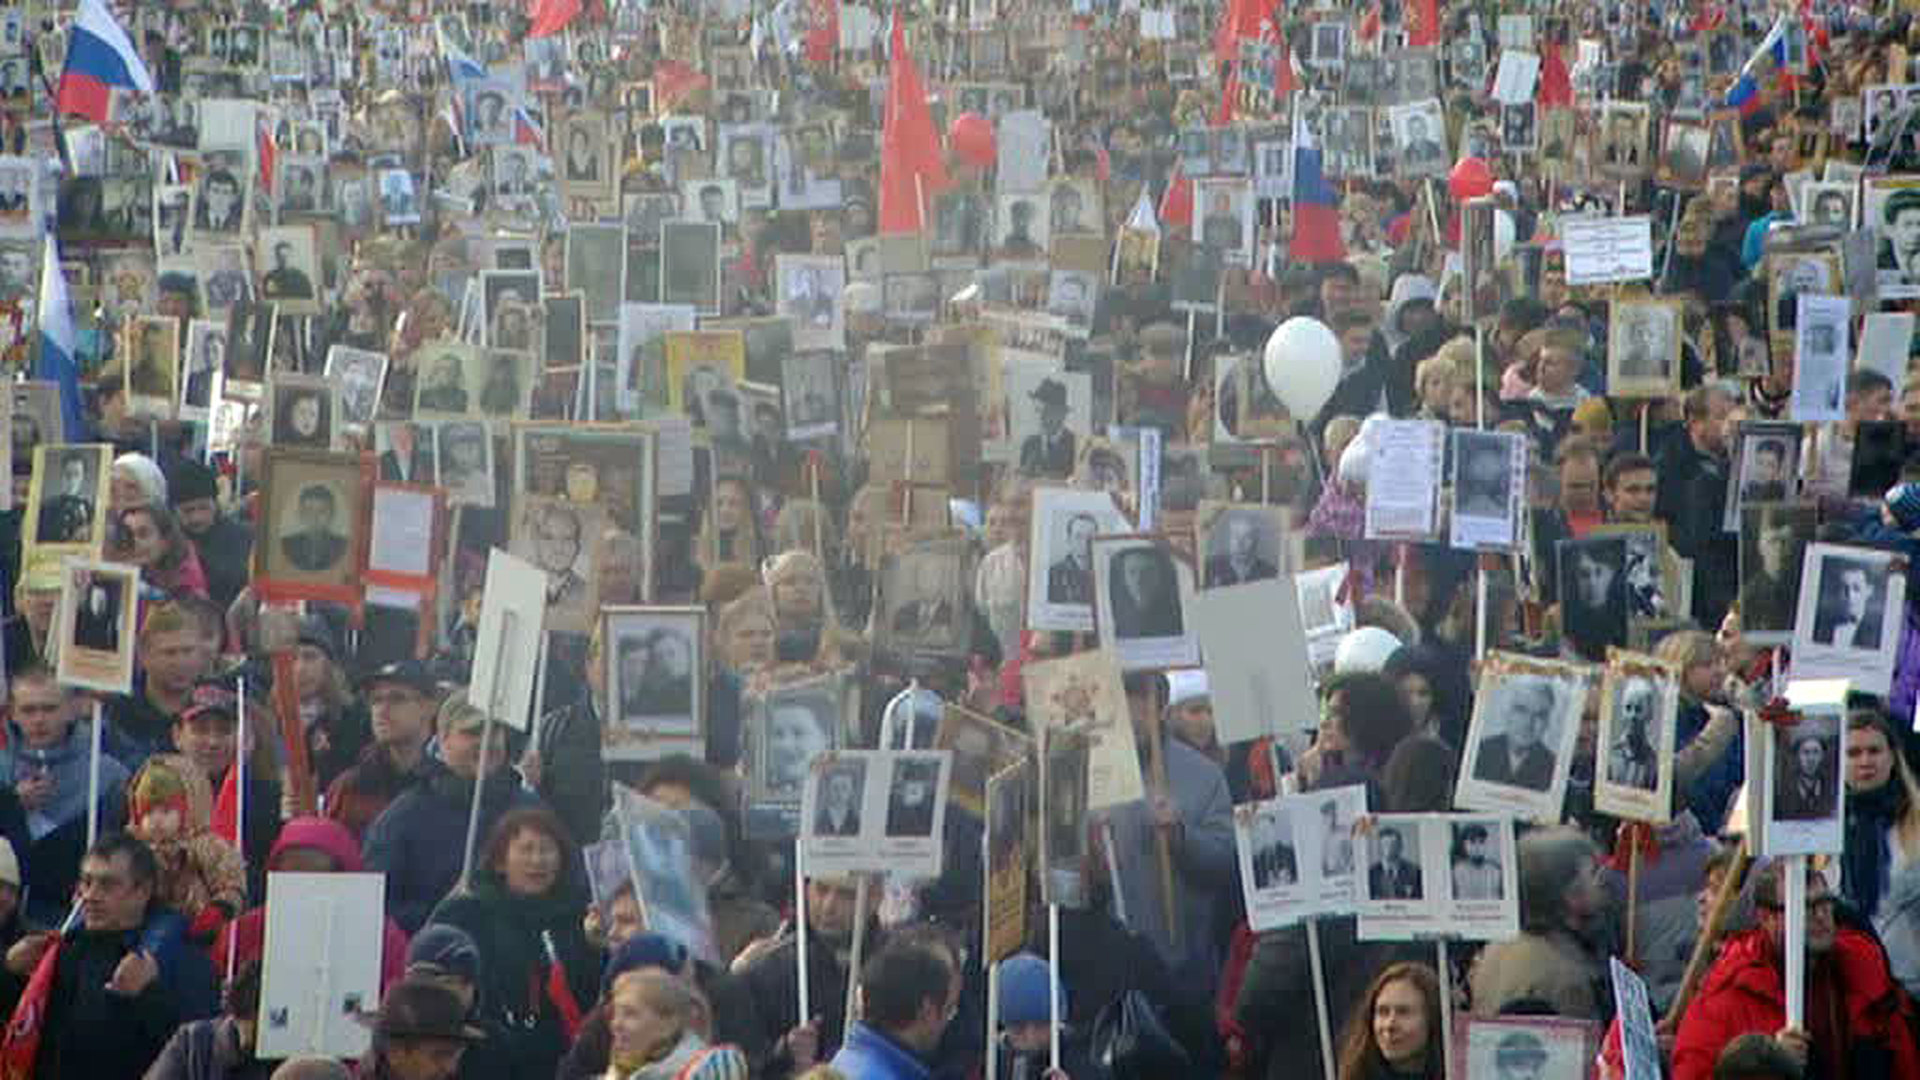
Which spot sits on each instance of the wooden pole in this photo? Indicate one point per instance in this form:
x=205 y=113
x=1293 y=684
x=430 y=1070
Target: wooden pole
x=1633 y=894
x=286 y=702
x=1707 y=943
x=1162 y=834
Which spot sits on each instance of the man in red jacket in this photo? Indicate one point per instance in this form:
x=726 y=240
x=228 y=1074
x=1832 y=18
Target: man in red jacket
x=1857 y=1021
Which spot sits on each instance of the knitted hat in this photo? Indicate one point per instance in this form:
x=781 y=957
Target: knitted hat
x=441 y=949
x=191 y=480
x=639 y=952
x=1023 y=990
x=1903 y=502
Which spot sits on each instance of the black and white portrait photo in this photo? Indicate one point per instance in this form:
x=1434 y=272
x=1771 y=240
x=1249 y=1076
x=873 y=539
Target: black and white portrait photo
x=1060 y=568
x=787 y=729
x=1621 y=147
x=1807 y=769
x=690 y=264
x=1488 y=473
x=912 y=795
x=1473 y=859
x=1593 y=592
x=1022 y=231
x=924 y=608
x=842 y=786
x=465 y=458
x=1639 y=697
x=1141 y=597
x=809 y=288
x=1393 y=866
x=1419 y=138
x=1239 y=543
x=1048 y=413
x=656 y=682
x=1633 y=758
x=1643 y=354
x=1225 y=213
x=290 y=269
x=1771 y=540
x=302 y=408
x=809 y=394
x=96 y=632
x=1821 y=357
x=69 y=494
x=1892 y=211
x=1850 y=611
x=563 y=539
x=1274 y=854
x=1520 y=739
x=586 y=170
x=312 y=504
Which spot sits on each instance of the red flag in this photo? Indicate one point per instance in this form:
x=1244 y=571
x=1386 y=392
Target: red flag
x=551 y=16
x=910 y=165
x=29 y=1020
x=1423 y=24
x=1282 y=58
x=1370 y=24
x=673 y=82
x=1556 y=85
x=558 y=991
x=1176 y=205
x=226 y=808
x=823 y=31
x=1223 y=115
x=265 y=149
x=1241 y=19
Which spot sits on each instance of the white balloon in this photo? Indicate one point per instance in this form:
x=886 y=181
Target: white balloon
x=1502 y=235
x=1302 y=365
x=1365 y=650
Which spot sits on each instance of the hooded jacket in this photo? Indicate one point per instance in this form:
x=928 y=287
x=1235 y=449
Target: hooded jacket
x=417 y=841
x=1744 y=992
x=197 y=867
x=57 y=831
x=331 y=839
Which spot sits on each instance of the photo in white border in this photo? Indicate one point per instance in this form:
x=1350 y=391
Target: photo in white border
x=97 y=626
x=875 y=811
x=1520 y=741
x=1142 y=603
x=1060 y=575
x=1489 y=485
x=1634 y=738
x=1821 y=348
x=1849 y=618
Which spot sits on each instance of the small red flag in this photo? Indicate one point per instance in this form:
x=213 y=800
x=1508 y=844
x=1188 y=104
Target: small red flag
x=558 y=991
x=265 y=150
x=1423 y=24
x=29 y=1019
x=911 y=169
x=673 y=82
x=1176 y=205
x=823 y=31
x=1556 y=85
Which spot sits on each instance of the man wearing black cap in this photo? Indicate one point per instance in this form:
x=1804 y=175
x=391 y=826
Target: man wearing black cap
x=1049 y=451
x=207 y=733
x=402 y=697
x=420 y=1033
x=225 y=545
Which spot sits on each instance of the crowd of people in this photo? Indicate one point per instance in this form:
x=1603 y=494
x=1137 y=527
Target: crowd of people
x=836 y=369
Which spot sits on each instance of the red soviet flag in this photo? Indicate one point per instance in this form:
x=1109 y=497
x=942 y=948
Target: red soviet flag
x=910 y=165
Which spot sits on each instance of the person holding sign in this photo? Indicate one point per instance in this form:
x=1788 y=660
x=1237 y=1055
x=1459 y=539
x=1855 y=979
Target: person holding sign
x=1870 y=1022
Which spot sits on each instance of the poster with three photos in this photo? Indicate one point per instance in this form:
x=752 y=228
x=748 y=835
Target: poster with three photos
x=875 y=811
x=1438 y=875
x=1297 y=855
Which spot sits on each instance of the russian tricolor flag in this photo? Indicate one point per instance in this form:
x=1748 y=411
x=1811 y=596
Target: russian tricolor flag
x=56 y=362
x=99 y=58
x=1745 y=92
x=1316 y=210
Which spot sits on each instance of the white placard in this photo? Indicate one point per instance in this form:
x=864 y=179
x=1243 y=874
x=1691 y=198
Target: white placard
x=1513 y=82
x=875 y=812
x=1255 y=651
x=517 y=586
x=1885 y=339
x=1439 y=875
x=1403 y=500
x=1638 y=1046
x=1603 y=249
x=1848 y=622
x=1299 y=855
x=321 y=966
x=1803 y=765
x=1489 y=488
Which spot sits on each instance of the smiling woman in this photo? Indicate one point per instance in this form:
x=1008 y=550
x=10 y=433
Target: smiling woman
x=524 y=913
x=1397 y=1034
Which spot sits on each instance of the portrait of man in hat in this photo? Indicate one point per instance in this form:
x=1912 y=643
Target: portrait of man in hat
x=1049 y=451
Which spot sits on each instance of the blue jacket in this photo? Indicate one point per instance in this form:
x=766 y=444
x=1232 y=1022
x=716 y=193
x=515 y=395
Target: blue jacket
x=1711 y=793
x=418 y=841
x=869 y=1055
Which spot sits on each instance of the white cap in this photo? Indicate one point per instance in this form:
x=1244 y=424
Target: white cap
x=1364 y=650
x=1186 y=687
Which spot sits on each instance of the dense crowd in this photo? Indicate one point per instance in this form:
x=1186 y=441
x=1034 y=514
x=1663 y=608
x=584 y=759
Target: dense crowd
x=1216 y=429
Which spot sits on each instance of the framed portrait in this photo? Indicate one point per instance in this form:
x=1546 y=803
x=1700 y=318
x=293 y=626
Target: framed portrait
x=1829 y=204
x=1225 y=209
x=1639 y=699
x=1547 y=1048
x=1060 y=586
x=1049 y=413
x=595 y=267
x=204 y=364
x=67 y=499
x=1145 y=588
x=656 y=679
x=1803 y=772
x=1064 y=794
x=1083 y=693
x=1242 y=542
x=925 y=611
x=690 y=265
x=809 y=394
x=1643 y=348
x=565 y=540
x=711 y=199
x=1822 y=353
x=464 y=461
x=406 y=536
x=150 y=378
x=1684 y=157
x=1621 y=145
x=311 y=538
x=97 y=625
x=563 y=331
x=1892 y=213
x=1275 y=870
x=359 y=375
x=1848 y=620
x=289 y=263
x=980 y=747
x=1489 y=486
x=588 y=168
x=1767 y=473
x=1790 y=274
x=1520 y=740
x=1482 y=878
x=1771 y=539
x=1401 y=890
x=445 y=373
x=1022 y=227
x=36 y=417
x=809 y=296
x=303 y=411
x=1419 y=138
x=785 y=727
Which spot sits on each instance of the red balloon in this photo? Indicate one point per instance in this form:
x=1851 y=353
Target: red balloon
x=971 y=137
x=1470 y=179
